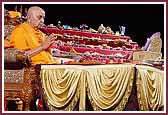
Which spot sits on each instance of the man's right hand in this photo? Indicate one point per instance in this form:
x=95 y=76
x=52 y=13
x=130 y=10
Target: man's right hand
x=48 y=41
x=44 y=46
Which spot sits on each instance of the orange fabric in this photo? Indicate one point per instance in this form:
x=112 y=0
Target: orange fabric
x=25 y=37
x=13 y=14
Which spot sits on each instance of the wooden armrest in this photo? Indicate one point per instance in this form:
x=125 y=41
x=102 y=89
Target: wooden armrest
x=16 y=57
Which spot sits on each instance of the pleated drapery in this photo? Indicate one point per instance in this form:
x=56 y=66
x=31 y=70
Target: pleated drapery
x=150 y=88
x=107 y=86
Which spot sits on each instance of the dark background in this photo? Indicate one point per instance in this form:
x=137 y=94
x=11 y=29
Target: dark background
x=141 y=20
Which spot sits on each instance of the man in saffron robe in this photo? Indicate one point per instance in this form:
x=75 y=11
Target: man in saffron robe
x=29 y=38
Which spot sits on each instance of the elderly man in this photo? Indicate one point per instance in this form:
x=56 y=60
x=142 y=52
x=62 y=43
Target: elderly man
x=29 y=38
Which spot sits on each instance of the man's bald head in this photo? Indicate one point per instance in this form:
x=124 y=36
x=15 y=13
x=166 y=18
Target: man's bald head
x=35 y=16
x=34 y=9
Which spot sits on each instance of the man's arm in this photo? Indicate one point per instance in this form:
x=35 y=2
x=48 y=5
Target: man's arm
x=35 y=51
x=44 y=46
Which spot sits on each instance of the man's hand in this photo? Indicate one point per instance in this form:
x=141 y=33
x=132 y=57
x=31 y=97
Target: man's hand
x=48 y=41
x=45 y=45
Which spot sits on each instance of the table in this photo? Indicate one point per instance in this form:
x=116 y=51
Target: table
x=108 y=87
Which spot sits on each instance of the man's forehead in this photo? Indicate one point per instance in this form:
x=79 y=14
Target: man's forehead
x=39 y=12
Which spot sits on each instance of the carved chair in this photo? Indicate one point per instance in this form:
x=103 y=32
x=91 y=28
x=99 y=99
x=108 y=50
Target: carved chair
x=20 y=78
x=151 y=50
